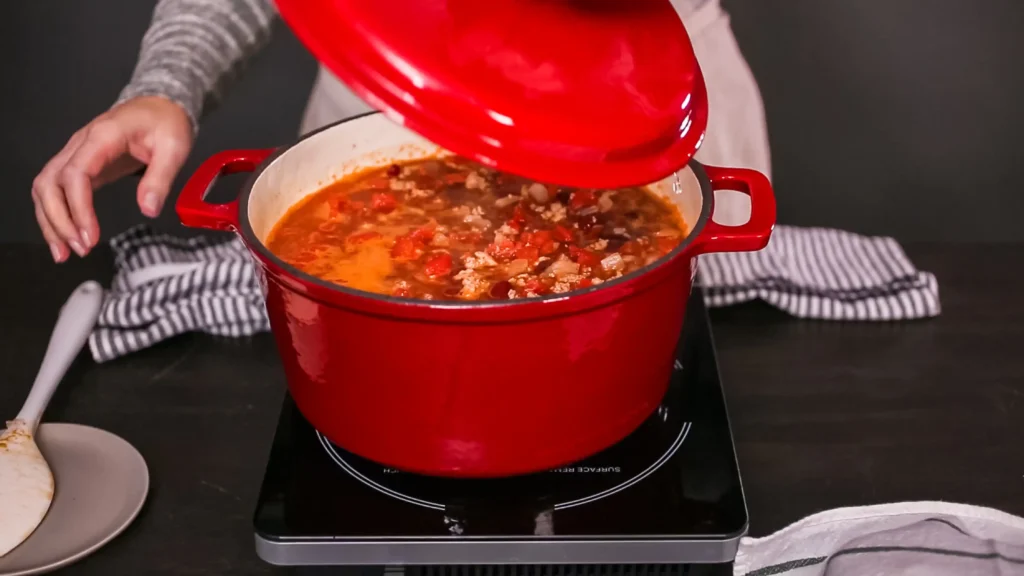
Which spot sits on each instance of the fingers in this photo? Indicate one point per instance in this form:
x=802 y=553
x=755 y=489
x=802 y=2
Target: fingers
x=58 y=248
x=51 y=199
x=77 y=222
x=103 y=146
x=46 y=192
x=168 y=156
x=64 y=189
x=147 y=129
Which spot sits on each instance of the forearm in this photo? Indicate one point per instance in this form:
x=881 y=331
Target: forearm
x=193 y=49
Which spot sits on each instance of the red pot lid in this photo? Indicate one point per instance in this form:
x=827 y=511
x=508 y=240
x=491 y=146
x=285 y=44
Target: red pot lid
x=590 y=93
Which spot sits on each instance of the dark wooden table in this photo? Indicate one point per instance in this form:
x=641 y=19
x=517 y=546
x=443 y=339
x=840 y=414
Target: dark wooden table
x=825 y=415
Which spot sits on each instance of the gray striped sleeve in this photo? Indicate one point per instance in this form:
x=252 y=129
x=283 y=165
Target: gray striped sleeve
x=193 y=50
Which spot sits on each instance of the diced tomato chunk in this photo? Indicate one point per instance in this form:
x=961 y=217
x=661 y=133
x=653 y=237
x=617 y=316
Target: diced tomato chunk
x=504 y=250
x=402 y=290
x=584 y=257
x=582 y=198
x=519 y=215
x=438 y=264
x=407 y=248
x=589 y=259
x=536 y=286
x=541 y=240
x=563 y=234
x=585 y=283
x=383 y=202
x=528 y=253
x=425 y=233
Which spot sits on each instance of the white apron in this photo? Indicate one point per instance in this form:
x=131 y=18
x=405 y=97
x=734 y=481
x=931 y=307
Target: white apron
x=737 y=135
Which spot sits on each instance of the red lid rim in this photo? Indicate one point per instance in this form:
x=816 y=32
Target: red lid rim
x=356 y=71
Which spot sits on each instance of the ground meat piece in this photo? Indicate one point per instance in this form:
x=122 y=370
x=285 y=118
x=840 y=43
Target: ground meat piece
x=398 y=184
x=473 y=285
x=478 y=260
x=475 y=181
x=554 y=213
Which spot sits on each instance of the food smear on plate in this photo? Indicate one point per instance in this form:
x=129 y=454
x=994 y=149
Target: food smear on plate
x=451 y=229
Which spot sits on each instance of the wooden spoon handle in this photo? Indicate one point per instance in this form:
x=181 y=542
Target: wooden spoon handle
x=75 y=322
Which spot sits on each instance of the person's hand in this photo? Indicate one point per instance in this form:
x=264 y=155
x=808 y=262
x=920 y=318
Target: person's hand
x=149 y=130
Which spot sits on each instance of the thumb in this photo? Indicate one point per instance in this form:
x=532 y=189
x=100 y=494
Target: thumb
x=166 y=160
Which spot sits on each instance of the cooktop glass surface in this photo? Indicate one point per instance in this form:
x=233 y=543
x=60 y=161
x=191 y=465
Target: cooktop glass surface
x=675 y=478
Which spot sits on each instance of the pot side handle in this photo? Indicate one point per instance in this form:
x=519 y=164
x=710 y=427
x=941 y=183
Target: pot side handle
x=755 y=233
x=192 y=208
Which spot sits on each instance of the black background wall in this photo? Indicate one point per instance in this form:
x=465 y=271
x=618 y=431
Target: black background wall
x=897 y=117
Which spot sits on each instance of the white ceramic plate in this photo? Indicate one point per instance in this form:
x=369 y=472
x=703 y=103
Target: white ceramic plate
x=101 y=485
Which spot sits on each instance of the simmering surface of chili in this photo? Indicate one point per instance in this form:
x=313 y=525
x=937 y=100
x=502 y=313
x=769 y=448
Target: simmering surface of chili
x=451 y=229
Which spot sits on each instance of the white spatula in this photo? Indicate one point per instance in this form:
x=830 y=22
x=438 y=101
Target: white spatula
x=26 y=483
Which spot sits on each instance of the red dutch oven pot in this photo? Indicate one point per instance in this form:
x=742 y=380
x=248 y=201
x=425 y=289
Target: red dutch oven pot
x=467 y=389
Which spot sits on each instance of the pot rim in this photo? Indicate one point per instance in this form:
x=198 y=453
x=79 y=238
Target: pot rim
x=586 y=298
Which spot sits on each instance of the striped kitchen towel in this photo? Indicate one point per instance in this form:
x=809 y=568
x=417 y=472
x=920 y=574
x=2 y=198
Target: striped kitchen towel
x=166 y=285
x=824 y=274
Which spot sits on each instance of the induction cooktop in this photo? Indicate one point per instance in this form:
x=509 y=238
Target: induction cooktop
x=669 y=494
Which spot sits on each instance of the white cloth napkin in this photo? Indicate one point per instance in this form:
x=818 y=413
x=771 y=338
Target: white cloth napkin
x=910 y=538
x=164 y=285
